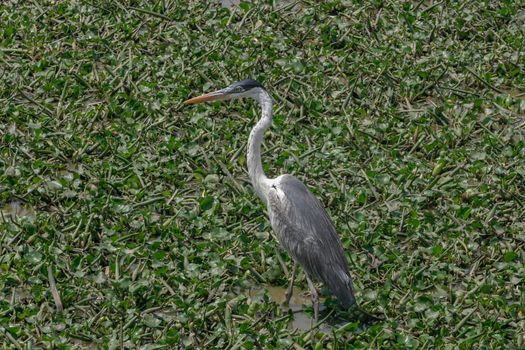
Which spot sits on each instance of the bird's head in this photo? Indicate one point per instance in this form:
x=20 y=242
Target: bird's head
x=240 y=89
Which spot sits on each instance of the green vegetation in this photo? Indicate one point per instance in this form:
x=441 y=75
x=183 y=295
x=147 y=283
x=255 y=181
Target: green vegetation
x=405 y=118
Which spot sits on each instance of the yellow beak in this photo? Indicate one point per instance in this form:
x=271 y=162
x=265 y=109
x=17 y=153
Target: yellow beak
x=212 y=96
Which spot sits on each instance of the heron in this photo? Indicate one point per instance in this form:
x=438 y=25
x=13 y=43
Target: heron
x=302 y=225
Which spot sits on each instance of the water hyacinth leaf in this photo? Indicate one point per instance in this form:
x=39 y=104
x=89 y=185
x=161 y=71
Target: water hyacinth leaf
x=206 y=203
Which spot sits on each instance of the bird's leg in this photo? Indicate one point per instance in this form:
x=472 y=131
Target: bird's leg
x=315 y=297
x=289 y=291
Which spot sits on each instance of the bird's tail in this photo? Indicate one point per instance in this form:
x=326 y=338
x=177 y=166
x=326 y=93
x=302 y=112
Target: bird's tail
x=343 y=289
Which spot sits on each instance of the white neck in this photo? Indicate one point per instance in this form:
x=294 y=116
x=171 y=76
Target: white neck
x=255 y=169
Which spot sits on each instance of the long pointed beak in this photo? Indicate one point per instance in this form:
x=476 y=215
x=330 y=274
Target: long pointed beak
x=212 y=96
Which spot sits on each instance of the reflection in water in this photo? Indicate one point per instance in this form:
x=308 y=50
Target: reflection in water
x=301 y=320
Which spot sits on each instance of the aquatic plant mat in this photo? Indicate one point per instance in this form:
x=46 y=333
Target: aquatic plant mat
x=128 y=220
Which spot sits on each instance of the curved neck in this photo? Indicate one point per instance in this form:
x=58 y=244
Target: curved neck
x=255 y=169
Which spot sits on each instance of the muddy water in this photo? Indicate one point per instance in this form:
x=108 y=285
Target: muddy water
x=301 y=320
x=230 y=3
x=16 y=209
x=278 y=295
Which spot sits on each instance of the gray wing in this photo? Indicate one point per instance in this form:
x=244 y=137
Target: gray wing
x=305 y=230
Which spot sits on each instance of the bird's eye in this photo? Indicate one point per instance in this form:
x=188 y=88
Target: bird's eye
x=238 y=89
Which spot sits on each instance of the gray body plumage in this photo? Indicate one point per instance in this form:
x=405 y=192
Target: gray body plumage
x=302 y=225
x=305 y=230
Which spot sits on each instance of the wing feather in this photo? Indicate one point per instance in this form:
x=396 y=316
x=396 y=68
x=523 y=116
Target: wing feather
x=305 y=230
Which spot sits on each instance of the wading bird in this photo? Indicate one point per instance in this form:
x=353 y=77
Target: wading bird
x=302 y=225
